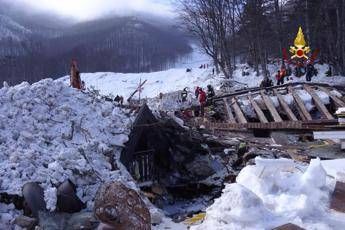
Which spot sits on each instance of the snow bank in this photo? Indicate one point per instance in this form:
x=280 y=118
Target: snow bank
x=272 y=193
x=157 y=82
x=50 y=133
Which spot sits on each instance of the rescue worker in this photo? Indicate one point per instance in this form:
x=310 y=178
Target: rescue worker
x=210 y=92
x=75 y=80
x=184 y=94
x=202 y=100
x=197 y=92
x=309 y=72
x=266 y=82
x=280 y=78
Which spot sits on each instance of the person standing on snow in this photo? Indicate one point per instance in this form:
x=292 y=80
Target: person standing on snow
x=310 y=72
x=184 y=94
x=75 y=80
x=210 y=92
x=266 y=82
x=197 y=92
x=202 y=100
x=280 y=78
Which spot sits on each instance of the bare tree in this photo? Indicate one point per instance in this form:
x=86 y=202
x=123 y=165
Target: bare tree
x=213 y=23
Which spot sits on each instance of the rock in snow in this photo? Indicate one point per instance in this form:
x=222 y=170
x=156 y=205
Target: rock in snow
x=50 y=133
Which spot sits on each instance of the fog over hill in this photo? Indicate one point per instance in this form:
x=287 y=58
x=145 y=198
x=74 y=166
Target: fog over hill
x=36 y=45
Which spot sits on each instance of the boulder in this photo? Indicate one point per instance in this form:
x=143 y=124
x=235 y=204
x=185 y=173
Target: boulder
x=67 y=199
x=33 y=199
x=201 y=167
x=121 y=208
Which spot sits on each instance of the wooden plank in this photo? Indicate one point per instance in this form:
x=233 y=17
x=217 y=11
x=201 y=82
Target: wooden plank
x=318 y=102
x=239 y=114
x=330 y=135
x=285 y=106
x=231 y=117
x=300 y=104
x=269 y=103
x=258 y=111
x=338 y=197
x=337 y=101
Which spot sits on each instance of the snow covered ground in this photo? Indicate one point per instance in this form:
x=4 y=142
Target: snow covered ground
x=174 y=80
x=50 y=133
x=276 y=192
x=157 y=82
x=254 y=81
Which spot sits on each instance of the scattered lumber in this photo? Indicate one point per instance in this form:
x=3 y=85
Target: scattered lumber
x=337 y=101
x=269 y=103
x=258 y=110
x=318 y=102
x=285 y=106
x=305 y=115
x=239 y=114
x=231 y=117
x=338 y=197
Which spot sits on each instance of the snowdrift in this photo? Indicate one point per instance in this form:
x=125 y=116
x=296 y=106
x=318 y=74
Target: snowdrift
x=50 y=132
x=273 y=193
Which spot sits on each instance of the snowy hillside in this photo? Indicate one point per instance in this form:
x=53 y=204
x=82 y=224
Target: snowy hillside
x=177 y=79
x=157 y=82
x=50 y=133
x=10 y=29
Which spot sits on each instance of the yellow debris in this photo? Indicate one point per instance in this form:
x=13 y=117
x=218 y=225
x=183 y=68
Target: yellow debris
x=324 y=143
x=197 y=218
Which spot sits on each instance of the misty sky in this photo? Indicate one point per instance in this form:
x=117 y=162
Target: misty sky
x=89 y=9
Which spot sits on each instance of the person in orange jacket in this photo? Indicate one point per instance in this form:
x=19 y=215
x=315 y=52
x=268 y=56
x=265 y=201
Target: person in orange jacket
x=202 y=100
x=75 y=80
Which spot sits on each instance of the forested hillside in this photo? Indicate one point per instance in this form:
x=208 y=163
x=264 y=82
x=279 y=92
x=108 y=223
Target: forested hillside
x=256 y=31
x=32 y=49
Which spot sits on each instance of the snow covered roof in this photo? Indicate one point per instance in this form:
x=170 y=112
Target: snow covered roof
x=50 y=132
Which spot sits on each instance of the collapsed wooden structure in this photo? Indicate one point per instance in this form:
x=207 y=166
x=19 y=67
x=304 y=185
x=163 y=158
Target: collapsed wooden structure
x=140 y=151
x=269 y=117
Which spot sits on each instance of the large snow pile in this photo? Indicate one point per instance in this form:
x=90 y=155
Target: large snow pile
x=275 y=192
x=50 y=133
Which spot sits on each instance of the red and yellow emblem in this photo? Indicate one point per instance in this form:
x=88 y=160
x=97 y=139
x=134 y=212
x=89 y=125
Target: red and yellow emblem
x=300 y=48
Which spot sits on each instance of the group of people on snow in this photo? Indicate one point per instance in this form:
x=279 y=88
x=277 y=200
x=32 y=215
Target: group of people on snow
x=283 y=74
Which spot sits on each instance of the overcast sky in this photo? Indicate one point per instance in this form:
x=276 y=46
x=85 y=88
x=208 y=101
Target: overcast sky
x=89 y=9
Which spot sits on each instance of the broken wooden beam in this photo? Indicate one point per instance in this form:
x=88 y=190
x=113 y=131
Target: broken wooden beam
x=285 y=106
x=338 y=197
x=270 y=105
x=239 y=114
x=305 y=115
x=318 y=102
x=258 y=111
x=337 y=101
x=228 y=109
